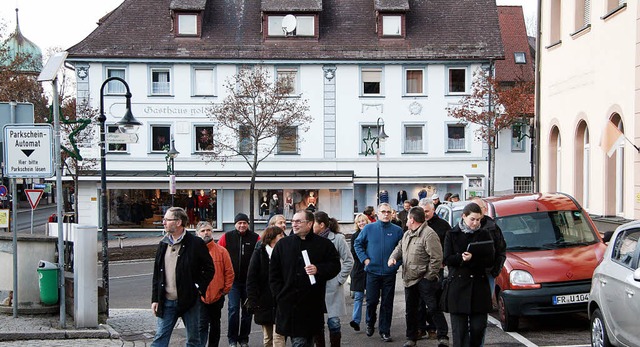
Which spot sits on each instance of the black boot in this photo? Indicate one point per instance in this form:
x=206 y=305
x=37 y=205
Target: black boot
x=334 y=339
x=318 y=340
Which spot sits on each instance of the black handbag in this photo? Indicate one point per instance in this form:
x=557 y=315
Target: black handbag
x=444 y=296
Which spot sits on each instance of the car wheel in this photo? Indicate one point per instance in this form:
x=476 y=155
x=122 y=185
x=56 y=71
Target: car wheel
x=599 y=337
x=508 y=321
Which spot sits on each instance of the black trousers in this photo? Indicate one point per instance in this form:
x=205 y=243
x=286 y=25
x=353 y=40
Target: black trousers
x=468 y=329
x=427 y=291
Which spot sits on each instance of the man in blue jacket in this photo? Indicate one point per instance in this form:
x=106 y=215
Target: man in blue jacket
x=373 y=247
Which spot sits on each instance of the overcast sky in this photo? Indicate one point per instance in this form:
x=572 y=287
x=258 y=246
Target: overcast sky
x=63 y=23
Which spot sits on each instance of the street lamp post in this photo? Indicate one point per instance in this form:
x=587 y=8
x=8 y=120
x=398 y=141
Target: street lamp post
x=127 y=124
x=381 y=136
x=172 y=153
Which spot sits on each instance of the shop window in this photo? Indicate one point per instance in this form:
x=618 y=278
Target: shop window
x=414 y=81
x=290 y=74
x=203 y=138
x=116 y=87
x=203 y=81
x=371 y=81
x=414 y=138
x=187 y=24
x=160 y=81
x=457 y=80
x=304 y=26
x=368 y=140
x=288 y=140
x=391 y=25
x=245 y=144
x=160 y=136
x=456 y=139
x=115 y=147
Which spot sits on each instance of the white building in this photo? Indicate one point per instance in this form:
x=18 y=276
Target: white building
x=590 y=76
x=354 y=61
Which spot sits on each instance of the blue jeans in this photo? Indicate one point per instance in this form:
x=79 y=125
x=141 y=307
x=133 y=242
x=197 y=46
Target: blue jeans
x=300 y=341
x=334 y=324
x=380 y=288
x=164 y=325
x=210 y=315
x=239 y=328
x=357 y=307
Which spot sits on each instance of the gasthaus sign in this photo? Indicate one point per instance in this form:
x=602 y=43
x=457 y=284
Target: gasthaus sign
x=28 y=150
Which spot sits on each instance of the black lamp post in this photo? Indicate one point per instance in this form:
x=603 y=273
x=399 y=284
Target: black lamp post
x=128 y=124
x=381 y=137
x=172 y=153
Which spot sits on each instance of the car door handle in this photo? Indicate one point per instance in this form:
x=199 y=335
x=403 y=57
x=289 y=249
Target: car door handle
x=603 y=281
x=629 y=292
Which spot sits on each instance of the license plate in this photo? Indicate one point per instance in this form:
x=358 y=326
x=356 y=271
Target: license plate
x=570 y=299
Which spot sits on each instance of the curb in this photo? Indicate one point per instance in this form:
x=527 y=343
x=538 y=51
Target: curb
x=105 y=332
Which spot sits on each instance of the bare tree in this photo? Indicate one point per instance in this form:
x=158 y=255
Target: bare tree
x=253 y=118
x=494 y=108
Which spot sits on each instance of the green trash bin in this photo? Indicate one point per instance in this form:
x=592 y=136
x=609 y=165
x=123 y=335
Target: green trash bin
x=48 y=282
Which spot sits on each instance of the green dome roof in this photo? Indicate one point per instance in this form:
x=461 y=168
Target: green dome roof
x=17 y=44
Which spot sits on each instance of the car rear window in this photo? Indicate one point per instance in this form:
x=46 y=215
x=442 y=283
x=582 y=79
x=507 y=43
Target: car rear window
x=546 y=230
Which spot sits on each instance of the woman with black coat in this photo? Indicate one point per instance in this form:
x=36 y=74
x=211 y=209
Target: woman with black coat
x=469 y=295
x=259 y=298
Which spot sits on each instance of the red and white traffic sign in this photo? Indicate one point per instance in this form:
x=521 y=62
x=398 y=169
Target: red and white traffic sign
x=34 y=195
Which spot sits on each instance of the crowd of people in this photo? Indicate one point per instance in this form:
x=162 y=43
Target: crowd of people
x=291 y=284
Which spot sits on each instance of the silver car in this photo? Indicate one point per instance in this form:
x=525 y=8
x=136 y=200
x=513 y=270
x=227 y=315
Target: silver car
x=614 y=301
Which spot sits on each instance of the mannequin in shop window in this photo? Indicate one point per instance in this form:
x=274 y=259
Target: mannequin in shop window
x=274 y=206
x=422 y=194
x=311 y=201
x=264 y=205
x=401 y=198
x=203 y=204
x=288 y=206
x=384 y=196
x=192 y=203
x=213 y=206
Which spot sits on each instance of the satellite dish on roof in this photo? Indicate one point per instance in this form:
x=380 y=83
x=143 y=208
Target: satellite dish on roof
x=289 y=23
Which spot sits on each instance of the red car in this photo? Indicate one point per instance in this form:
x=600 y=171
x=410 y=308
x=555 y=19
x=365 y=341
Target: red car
x=553 y=248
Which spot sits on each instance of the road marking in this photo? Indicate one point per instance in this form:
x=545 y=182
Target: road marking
x=516 y=336
x=129 y=276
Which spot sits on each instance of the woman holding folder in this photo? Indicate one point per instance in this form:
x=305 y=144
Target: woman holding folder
x=468 y=255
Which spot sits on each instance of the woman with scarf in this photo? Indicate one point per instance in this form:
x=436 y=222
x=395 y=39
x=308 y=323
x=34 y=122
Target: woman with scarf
x=469 y=296
x=334 y=295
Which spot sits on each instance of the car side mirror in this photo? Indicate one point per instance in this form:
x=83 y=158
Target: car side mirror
x=607 y=236
x=636 y=275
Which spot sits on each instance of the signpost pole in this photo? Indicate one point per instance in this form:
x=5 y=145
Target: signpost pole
x=14 y=229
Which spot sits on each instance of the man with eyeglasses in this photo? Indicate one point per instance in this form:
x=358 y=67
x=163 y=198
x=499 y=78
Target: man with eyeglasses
x=298 y=287
x=181 y=273
x=373 y=247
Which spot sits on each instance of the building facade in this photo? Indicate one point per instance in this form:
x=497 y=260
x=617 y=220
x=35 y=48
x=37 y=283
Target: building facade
x=589 y=76
x=402 y=62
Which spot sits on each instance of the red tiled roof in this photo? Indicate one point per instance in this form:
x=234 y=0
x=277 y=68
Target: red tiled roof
x=514 y=39
x=231 y=29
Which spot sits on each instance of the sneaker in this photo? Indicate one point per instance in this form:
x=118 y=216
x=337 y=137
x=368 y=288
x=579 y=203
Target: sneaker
x=369 y=330
x=355 y=325
x=409 y=343
x=432 y=335
x=233 y=344
x=386 y=337
x=244 y=344
x=443 y=342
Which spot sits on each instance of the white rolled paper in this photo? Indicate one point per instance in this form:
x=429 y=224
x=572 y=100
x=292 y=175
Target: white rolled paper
x=307 y=262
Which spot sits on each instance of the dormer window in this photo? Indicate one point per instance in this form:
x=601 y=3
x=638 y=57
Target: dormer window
x=392 y=25
x=187 y=17
x=187 y=24
x=291 y=25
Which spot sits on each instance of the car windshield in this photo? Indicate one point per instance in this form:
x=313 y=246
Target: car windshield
x=546 y=230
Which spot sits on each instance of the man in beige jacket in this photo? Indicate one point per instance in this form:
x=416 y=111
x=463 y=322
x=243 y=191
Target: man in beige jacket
x=421 y=254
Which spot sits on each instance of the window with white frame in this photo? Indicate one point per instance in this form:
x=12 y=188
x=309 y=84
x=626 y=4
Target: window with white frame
x=245 y=143
x=115 y=147
x=368 y=140
x=305 y=26
x=520 y=57
x=203 y=81
x=288 y=140
x=414 y=138
x=371 y=81
x=391 y=25
x=187 y=24
x=414 y=81
x=289 y=74
x=457 y=80
x=160 y=81
x=160 y=137
x=456 y=137
x=116 y=87
x=203 y=138
x=517 y=138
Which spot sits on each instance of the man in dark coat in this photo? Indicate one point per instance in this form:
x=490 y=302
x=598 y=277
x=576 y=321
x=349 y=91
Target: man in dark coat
x=181 y=273
x=298 y=281
x=240 y=243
